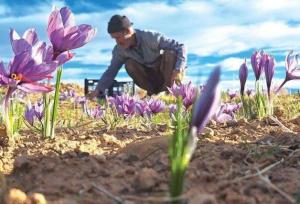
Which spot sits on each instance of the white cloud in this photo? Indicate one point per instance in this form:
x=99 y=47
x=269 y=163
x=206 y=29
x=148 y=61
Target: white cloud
x=217 y=27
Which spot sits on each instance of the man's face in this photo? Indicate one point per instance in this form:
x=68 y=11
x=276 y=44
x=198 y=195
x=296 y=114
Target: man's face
x=122 y=38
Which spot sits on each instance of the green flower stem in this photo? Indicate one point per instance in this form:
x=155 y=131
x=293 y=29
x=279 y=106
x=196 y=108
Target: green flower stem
x=56 y=101
x=178 y=152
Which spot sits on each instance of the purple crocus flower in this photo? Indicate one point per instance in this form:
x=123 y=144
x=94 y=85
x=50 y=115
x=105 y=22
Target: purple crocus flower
x=24 y=73
x=269 y=71
x=232 y=94
x=172 y=109
x=39 y=50
x=243 y=74
x=39 y=110
x=249 y=92
x=142 y=108
x=96 y=112
x=29 y=114
x=124 y=104
x=64 y=34
x=292 y=68
x=156 y=105
x=231 y=108
x=83 y=102
x=186 y=91
x=257 y=62
x=207 y=102
x=221 y=116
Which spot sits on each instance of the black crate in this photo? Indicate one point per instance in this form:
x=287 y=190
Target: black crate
x=117 y=88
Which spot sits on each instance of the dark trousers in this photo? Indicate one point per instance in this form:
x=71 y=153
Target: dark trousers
x=156 y=79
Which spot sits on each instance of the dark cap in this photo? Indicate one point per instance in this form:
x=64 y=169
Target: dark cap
x=118 y=23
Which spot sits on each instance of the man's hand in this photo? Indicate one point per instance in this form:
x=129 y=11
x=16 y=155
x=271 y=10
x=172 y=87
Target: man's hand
x=177 y=76
x=93 y=95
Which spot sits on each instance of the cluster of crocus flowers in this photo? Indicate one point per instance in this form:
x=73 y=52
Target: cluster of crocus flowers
x=263 y=62
x=187 y=92
x=226 y=112
x=129 y=106
x=292 y=68
x=96 y=112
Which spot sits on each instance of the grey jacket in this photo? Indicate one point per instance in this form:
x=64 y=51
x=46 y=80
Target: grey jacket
x=147 y=51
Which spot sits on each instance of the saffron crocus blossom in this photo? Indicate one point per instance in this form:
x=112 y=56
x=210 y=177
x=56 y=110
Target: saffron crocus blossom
x=221 y=116
x=186 y=91
x=227 y=112
x=29 y=114
x=83 y=102
x=124 y=104
x=207 y=102
x=257 y=62
x=156 y=105
x=39 y=50
x=269 y=71
x=172 y=109
x=142 y=108
x=64 y=34
x=231 y=108
x=39 y=110
x=249 y=92
x=232 y=94
x=96 y=112
x=24 y=73
x=34 y=111
x=292 y=67
x=243 y=74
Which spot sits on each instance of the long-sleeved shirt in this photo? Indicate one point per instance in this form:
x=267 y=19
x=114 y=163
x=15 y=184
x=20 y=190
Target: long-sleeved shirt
x=146 y=52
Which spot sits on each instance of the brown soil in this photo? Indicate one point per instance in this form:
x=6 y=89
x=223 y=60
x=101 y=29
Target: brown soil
x=91 y=165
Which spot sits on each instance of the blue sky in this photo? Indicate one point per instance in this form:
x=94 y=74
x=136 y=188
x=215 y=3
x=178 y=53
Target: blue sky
x=215 y=32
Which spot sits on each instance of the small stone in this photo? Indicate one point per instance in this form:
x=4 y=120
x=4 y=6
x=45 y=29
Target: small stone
x=21 y=161
x=146 y=179
x=242 y=121
x=37 y=198
x=208 y=132
x=231 y=123
x=130 y=171
x=15 y=196
x=203 y=198
x=100 y=158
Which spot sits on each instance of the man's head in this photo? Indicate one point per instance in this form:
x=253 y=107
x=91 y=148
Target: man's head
x=120 y=28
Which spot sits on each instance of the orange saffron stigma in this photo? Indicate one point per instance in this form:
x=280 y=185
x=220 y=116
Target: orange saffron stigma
x=17 y=77
x=70 y=55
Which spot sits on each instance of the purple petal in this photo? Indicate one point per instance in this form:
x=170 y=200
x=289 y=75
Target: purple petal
x=206 y=103
x=243 y=74
x=3 y=70
x=67 y=17
x=54 y=22
x=57 y=40
x=34 y=88
x=78 y=36
x=64 y=57
x=19 y=62
x=30 y=36
x=39 y=72
x=223 y=117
